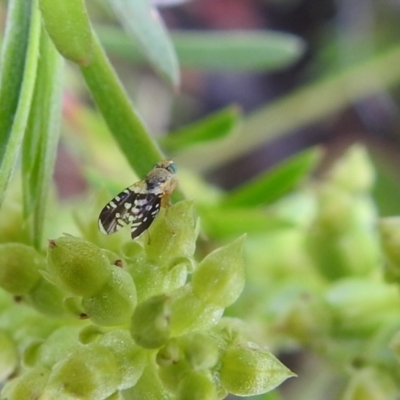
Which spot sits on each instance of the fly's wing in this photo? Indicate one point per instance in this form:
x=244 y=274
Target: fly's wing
x=129 y=207
x=147 y=206
x=115 y=214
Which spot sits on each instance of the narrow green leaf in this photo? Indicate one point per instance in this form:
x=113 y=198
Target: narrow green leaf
x=67 y=23
x=210 y=128
x=237 y=50
x=41 y=138
x=273 y=184
x=220 y=222
x=24 y=101
x=143 y=23
x=125 y=125
x=221 y=50
x=12 y=63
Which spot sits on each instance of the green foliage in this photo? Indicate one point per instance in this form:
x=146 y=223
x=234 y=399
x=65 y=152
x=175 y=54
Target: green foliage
x=182 y=313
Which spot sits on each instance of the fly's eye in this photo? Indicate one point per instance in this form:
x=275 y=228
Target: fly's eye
x=168 y=165
x=172 y=168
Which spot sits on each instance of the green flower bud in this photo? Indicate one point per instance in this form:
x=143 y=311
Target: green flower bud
x=29 y=385
x=172 y=375
x=172 y=235
x=113 y=258
x=132 y=250
x=370 y=384
x=30 y=356
x=47 y=298
x=59 y=345
x=116 y=396
x=200 y=350
x=114 y=303
x=389 y=230
x=130 y=358
x=197 y=386
x=68 y=25
x=150 y=322
x=353 y=172
x=149 y=387
x=8 y=356
x=152 y=280
x=219 y=278
x=73 y=306
x=23 y=324
x=360 y=307
x=78 y=266
x=90 y=334
x=347 y=246
x=248 y=370
x=19 y=271
x=189 y=313
x=90 y=373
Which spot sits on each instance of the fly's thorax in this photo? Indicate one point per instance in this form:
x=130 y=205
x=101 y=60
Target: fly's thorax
x=159 y=180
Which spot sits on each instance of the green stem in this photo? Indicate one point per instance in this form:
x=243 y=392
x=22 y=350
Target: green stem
x=125 y=125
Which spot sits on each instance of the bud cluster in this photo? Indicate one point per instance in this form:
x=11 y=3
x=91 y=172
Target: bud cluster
x=141 y=323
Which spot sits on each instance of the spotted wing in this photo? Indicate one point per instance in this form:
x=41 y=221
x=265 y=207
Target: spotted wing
x=129 y=207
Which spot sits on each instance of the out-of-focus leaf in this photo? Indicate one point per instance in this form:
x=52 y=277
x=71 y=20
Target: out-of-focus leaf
x=41 y=138
x=237 y=50
x=167 y=3
x=14 y=45
x=210 y=128
x=228 y=222
x=68 y=26
x=273 y=184
x=233 y=50
x=143 y=23
x=304 y=106
x=24 y=101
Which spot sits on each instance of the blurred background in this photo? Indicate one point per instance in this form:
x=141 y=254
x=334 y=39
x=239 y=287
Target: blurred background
x=338 y=37
x=339 y=86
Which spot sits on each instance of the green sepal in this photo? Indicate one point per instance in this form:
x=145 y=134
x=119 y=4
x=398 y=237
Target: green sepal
x=248 y=370
x=20 y=265
x=150 y=322
x=78 y=266
x=219 y=278
x=114 y=303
